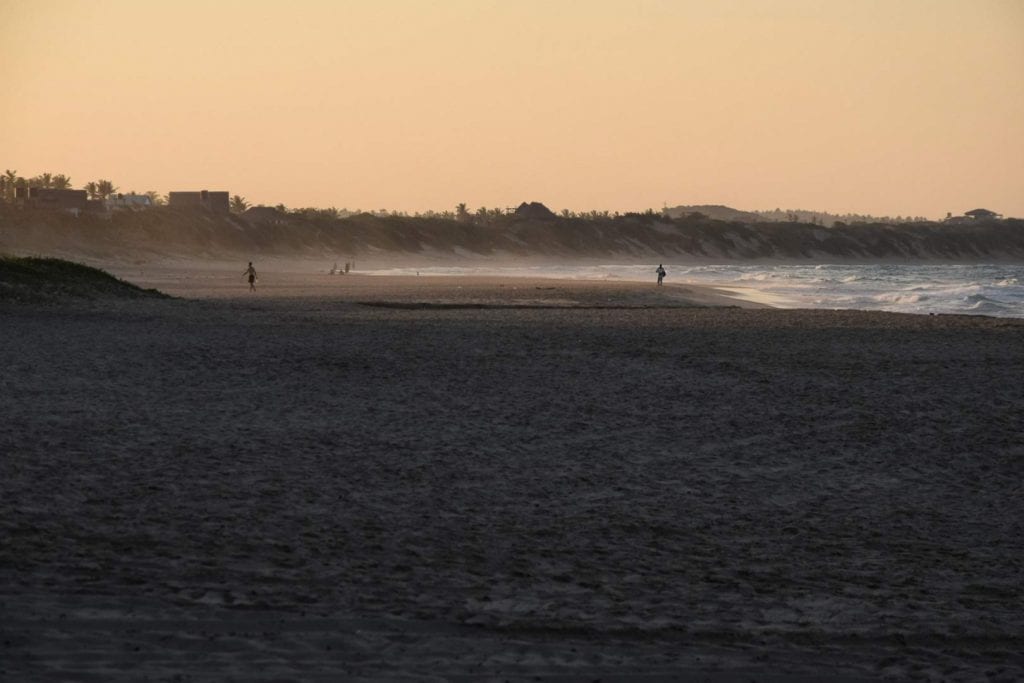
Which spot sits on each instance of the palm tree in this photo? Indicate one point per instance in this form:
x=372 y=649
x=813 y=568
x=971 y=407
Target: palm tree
x=92 y=190
x=461 y=214
x=155 y=198
x=105 y=188
x=61 y=182
x=238 y=204
x=11 y=177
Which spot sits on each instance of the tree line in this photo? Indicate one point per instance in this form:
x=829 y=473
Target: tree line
x=102 y=189
x=11 y=182
x=829 y=219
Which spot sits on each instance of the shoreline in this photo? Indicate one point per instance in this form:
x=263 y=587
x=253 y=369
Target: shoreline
x=212 y=280
x=290 y=282
x=940 y=293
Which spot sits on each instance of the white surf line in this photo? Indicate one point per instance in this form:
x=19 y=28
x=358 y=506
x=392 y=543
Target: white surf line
x=755 y=296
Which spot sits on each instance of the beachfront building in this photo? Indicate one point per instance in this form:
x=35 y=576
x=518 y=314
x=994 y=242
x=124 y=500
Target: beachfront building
x=535 y=211
x=972 y=216
x=128 y=201
x=265 y=214
x=218 y=202
x=50 y=198
x=982 y=214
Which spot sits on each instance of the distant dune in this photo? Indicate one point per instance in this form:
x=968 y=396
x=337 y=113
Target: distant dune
x=164 y=231
x=715 y=211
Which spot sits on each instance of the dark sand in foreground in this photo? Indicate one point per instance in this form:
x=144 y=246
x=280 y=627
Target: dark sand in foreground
x=492 y=479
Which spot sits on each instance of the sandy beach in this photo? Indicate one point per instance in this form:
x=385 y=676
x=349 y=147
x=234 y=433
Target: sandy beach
x=308 y=279
x=366 y=478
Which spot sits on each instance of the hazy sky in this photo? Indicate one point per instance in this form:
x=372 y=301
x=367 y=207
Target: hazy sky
x=871 y=106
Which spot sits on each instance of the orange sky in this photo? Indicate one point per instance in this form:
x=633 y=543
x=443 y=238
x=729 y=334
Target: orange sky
x=870 y=106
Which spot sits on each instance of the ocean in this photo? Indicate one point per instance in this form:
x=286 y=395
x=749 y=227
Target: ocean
x=981 y=289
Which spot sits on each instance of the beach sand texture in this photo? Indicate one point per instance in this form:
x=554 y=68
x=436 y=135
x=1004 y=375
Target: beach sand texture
x=493 y=479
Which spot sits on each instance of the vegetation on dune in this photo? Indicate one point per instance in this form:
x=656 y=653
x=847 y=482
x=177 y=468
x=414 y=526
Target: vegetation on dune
x=705 y=232
x=164 y=230
x=31 y=279
x=11 y=183
x=238 y=204
x=822 y=218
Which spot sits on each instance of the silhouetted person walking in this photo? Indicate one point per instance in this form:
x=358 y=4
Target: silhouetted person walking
x=661 y=273
x=251 y=272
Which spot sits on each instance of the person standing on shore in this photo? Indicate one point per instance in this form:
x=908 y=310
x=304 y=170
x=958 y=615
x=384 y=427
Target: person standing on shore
x=251 y=272
x=661 y=273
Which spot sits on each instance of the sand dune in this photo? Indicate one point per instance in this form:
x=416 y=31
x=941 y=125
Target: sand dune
x=164 y=231
x=580 y=482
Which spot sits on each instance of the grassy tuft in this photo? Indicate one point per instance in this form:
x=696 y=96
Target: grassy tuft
x=32 y=279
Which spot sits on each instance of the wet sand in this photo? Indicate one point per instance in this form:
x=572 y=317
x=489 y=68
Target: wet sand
x=486 y=479
x=305 y=279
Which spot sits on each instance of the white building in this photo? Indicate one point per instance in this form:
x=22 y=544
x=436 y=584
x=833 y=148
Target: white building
x=128 y=201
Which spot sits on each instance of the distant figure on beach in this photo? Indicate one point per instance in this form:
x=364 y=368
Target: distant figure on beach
x=251 y=272
x=661 y=273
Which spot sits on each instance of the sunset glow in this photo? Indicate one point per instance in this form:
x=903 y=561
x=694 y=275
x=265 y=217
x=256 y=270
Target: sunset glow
x=912 y=107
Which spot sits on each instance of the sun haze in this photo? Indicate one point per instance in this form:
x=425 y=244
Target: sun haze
x=869 y=106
